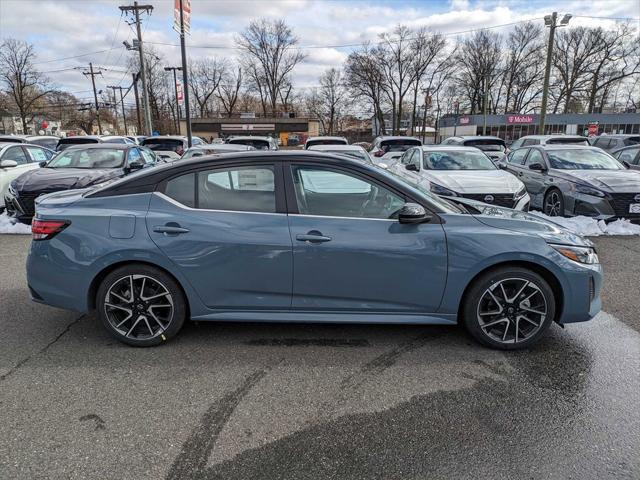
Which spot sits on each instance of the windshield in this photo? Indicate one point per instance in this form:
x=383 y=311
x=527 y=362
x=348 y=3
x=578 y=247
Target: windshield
x=488 y=145
x=88 y=158
x=257 y=144
x=399 y=145
x=164 y=144
x=460 y=160
x=568 y=140
x=580 y=159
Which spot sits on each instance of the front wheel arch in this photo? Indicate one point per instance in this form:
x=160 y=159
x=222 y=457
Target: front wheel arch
x=549 y=277
x=97 y=280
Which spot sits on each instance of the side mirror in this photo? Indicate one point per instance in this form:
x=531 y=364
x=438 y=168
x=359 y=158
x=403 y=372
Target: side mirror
x=43 y=163
x=538 y=167
x=626 y=164
x=412 y=167
x=501 y=165
x=8 y=164
x=413 y=213
x=135 y=166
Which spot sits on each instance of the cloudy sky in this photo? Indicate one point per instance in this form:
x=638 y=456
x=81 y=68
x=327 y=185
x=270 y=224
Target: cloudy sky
x=93 y=30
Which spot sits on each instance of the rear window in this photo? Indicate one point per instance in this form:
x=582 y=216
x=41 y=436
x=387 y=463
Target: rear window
x=487 y=144
x=67 y=142
x=399 y=145
x=257 y=143
x=568 y=140
x=164 y=145
x=325 y=141
x=632 y=140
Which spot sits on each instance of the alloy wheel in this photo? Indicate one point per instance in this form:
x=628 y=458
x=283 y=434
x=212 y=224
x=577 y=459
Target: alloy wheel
x=139 y=307
x=553 y=204
x=512 y=310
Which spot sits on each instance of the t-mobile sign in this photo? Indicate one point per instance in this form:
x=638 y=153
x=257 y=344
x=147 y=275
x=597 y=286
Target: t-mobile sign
x=520 y=119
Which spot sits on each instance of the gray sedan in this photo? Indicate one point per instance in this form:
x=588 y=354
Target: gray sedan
x=568 y=180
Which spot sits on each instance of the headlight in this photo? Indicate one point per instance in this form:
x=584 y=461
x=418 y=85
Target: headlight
x=440 y=190
x=587 y=190
x=578 y=254
x=520 y=193
x=12 y=190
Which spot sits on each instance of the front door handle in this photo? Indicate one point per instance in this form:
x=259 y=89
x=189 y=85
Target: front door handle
x=313 y=237
x=170 y=229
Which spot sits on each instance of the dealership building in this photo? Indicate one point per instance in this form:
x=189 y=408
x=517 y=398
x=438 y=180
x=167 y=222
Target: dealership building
x=513 y=126
x=281 y=128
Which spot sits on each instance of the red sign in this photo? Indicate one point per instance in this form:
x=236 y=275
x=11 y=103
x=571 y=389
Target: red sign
x=464 y=120
x=593 y=129
x=44 y=125
x=520 y=119
x=186 y=15
x=180 y=93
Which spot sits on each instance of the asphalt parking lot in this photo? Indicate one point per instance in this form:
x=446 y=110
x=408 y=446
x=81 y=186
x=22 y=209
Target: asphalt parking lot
x=318 y=401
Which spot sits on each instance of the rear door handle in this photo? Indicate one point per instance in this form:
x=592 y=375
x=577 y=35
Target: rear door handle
x=313 y=238
x=170 y=229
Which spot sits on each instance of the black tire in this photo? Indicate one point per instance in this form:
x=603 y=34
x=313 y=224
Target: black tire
x=553 y=203
x=160 y=321
x=478 y=297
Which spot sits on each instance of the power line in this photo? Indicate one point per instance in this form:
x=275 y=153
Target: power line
x=76 y=56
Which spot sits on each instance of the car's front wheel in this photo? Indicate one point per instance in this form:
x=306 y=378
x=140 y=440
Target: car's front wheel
x=141 y=305
x=554 y=203
x=508 y=308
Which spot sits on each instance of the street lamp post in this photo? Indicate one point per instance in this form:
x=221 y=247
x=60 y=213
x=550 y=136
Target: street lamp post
x=175 y=87
x=550 y=21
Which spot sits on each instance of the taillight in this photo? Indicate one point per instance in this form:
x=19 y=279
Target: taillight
x=46 y=229
x=379 y=153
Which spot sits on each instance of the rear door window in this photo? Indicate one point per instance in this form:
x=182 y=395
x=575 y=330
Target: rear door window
x=517 y=157
x=17 y=154
x=530 y=141
x=39 y=154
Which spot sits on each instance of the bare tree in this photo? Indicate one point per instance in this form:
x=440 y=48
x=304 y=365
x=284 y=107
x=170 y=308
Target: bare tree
x=229 y=89
x=205 y=78
x=25 y=86
x=270 y=48
x=478 y=59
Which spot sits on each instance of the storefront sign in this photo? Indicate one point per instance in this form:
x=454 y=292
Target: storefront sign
x=249 y=127
x=464 y=120
x=511 y=119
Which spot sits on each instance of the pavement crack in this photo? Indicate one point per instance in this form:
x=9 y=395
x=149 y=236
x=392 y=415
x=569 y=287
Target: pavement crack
x=42 y=350
x=192 y=460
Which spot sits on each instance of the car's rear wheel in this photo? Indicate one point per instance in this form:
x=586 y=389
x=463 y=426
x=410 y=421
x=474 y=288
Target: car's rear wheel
x=141 y=305
x=509 y=308
x=554 y=203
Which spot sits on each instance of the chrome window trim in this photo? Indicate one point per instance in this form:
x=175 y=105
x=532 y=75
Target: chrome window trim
x=343 y=218
x=185 y=207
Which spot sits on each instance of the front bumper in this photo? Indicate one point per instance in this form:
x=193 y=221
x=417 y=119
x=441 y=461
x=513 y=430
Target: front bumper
x=613 y=206
x=501 y=200
x=581 y=300
x=21 y=209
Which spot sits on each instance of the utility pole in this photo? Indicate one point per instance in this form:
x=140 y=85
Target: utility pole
x=135 y=8
x=550 y=21
x=486 y=103
x=185 y=78
x=93 y=74
x=175 y=88
x=424 y=116
x=115 y=106
x=457 y=111
x=135 y=91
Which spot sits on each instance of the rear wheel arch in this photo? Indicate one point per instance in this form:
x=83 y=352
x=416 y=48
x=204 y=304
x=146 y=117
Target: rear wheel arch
x=545 y=273
x=97 y=280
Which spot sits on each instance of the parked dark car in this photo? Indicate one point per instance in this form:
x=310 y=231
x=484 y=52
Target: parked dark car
x=46 y=141
x=76 y=167
x=493 y=147
x=614 y=142
x=568 y=180
x=629 y=156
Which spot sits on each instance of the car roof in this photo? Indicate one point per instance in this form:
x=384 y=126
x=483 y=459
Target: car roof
x=164 y=137
x=222 y=146
x=618 y=135
x=102 y=146
x=320 y=148
x=462 y=148
x=480 y=137
x=326 y=137
x=396 y=137
x=559 y=135
x=75 y=137
x=42 y=136
x=563 y=146
x=250 y=137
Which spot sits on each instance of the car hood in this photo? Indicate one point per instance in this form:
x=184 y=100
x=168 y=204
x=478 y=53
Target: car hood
x=49 y=179
x=475 y=181
x=523 y=222
x=610 y=180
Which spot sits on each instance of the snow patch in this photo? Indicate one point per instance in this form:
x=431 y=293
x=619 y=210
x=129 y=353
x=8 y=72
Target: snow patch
x=10 y=225
x=590 y=227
